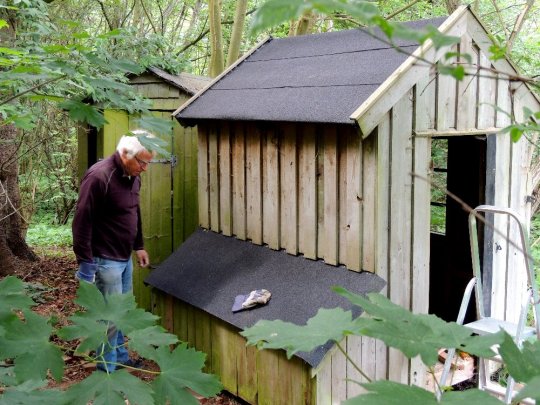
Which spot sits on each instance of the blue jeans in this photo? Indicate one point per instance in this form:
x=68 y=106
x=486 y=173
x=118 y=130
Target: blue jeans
x=113 y=277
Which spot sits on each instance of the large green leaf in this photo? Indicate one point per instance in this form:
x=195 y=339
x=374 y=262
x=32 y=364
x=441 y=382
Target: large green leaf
x=327 y=324
x=91 y=325
x=181 y=369
x=392 y=393
x=31 y=392
x=12 y=295
x=27 y=342
x=415 y=334
x=110 y=389
x=144 y=341
x=83 y=112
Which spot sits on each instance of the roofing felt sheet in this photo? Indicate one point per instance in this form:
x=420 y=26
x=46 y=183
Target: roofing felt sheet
x=311 y=78
x=210 y=269
x=187 y=82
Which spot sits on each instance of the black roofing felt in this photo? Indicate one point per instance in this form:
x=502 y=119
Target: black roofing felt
x=311 y=78
x=210 y=269
x=185 y=81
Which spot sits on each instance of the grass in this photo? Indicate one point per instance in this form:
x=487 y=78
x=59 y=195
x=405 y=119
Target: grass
x=43 y=234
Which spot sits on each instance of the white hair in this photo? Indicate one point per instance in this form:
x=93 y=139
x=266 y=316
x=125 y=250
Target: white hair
x=131 y=144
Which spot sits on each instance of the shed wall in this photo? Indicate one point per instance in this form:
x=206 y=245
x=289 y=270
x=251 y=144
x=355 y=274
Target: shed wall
x=297 y=187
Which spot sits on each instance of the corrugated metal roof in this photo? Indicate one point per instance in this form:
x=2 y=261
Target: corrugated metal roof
x=311 y=78
x=186 y=81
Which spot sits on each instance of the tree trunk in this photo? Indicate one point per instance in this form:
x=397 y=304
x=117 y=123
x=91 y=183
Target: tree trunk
x=12 y=243
x=237 y=31
x=305 y=23
x=216 y=38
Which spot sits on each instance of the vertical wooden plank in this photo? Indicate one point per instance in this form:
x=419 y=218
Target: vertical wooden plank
x=421 y=214
x=203 y=336
x=239 y=182
x=370 y=359
x=190 y=197
x=399 y=282
x=354 y=378
x=180 y=320
x=203 y=177
x=179 y=173
x=324 y=382
x=225 y=191
x=355 y=198
x=446 y=99
x=487 y=92
x=224 y=354
x=213 y=177
x=253 y=184
x=246 y=364
x=268 y=377
x=307 y=192
x=339 y=374
x=369 y=203
x=289 y=190
x=343 y=194
x=331 y=195
x=271 y=195
x=467 y=102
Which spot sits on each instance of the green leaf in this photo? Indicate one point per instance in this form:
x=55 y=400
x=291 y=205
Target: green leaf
x=103 y=388
x=458 y=72
x=497 y=52
x=392 y=393
x=155 y=125
x=181 y=369
x=414 y=334
x=10 y=51
x=91 y=325
x=515 y=133
x=27 y=342
x=3 y=23
x=327 y=324
x=83 y=112
x=275 y=12
x=531 y=390
x=523 y=364
x=12 y=295
x=144 y=341
x=32 y=392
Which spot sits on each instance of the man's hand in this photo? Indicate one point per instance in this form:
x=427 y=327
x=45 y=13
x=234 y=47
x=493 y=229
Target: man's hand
x=142 y=258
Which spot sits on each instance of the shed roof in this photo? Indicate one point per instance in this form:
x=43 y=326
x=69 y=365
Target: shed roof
x=185 y=81
x=312 y=78
x=210 y=269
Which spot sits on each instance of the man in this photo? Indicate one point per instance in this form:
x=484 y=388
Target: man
x=107 y=228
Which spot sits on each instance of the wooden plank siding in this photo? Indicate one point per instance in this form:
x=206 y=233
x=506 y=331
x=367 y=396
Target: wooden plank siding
x=259 y=377
x=289 y=186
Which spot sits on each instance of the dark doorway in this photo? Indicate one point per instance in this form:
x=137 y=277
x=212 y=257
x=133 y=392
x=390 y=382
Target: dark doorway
x=450 y=257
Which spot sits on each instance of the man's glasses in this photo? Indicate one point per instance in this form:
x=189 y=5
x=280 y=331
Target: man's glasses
x=142 y=163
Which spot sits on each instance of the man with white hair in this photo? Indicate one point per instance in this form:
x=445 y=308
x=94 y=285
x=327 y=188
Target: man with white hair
x=107 y=229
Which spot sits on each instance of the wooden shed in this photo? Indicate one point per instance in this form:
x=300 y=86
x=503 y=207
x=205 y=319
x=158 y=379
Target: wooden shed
x=169 y=188
x=320 y=147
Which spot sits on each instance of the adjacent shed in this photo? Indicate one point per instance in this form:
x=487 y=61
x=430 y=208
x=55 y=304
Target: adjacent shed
x=169 y=190
x=320 y=146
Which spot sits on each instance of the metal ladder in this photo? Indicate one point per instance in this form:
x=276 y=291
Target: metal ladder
x=485 y=325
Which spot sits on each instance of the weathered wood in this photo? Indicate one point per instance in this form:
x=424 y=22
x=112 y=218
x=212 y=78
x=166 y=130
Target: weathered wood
x=268 y=377
x=307 y=193
x=324 y=381
x=354 y=378
x=354 y=198
x=467 y=102
x=446 y=92
x=224 y=355
x=339 y=374
x=203 y=178
x=246 y=366
x=225 y=188
x=399 y=280
x=239 y=182
x=369 y=204
x=331 y=196
x=213 y=177
x=271 y=192
x=254 y=184
x=370 y=113
x=487 y=92
x=289 y=190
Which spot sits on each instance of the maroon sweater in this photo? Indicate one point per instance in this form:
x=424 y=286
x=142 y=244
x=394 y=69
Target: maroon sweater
x=107 y=221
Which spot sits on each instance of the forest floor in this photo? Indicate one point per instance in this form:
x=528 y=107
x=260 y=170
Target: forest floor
x=53 y=287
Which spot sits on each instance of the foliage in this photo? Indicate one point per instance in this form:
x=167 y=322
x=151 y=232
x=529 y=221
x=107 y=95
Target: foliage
x=29 y=354
x=44 y=233
x=414 y=335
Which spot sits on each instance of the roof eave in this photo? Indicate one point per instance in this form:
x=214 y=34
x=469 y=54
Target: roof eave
x=375 y=98
x=216 y=79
